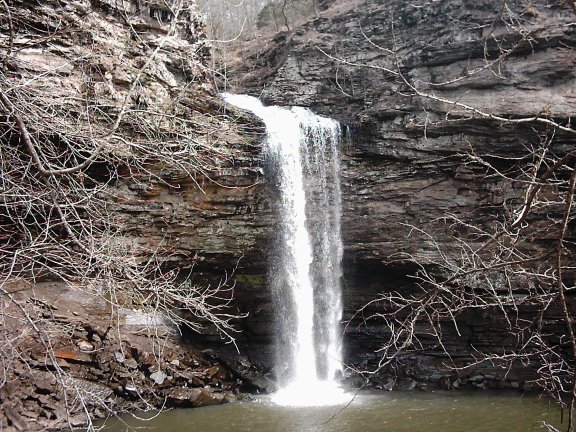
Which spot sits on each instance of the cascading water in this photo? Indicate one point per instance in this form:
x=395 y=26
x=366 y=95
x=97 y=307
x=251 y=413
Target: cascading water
x=302 y=153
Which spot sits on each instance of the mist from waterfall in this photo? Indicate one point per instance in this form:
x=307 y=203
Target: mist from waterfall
x=302 y=161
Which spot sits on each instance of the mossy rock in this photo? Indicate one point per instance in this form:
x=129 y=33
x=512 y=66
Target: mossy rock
x=251 y=281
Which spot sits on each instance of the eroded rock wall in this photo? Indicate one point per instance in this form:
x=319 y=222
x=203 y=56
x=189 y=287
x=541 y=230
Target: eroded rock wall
x=92 y=52
x=130 y=75
x=407 y=163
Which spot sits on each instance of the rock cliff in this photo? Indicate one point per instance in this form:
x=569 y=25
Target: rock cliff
x=403 y=167
x=117 y=155
x=409 y=163
x=67 y=53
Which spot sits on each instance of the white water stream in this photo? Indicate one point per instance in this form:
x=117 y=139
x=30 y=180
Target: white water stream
x=302 y=157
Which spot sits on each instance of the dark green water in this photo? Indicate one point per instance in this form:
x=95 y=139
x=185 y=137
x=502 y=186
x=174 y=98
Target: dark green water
x=369 y=412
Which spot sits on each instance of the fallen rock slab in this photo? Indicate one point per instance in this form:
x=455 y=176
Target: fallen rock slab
x=194 y=397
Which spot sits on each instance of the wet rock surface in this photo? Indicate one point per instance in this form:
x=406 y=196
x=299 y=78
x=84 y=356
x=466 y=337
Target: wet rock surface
x=398 y=169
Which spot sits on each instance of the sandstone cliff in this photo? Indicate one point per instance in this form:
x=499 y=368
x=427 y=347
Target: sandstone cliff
x=120 y=169
x=74 y=65
x=409 y=164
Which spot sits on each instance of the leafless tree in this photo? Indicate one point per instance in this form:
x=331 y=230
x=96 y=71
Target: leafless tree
x=245 y=20
x=519 y=269
x=66 y=137
x=234 y=26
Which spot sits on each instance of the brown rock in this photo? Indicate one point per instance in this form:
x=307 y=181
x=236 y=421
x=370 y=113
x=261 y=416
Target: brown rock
x=73 y=356
x=17 y=421
x=194 y=397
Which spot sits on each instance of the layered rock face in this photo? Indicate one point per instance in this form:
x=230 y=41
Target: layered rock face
x=81 y=59
x=407 y=163
x=133 y=144
x=402 y=166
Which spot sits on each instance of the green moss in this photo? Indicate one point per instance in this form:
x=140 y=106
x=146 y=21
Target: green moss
x=252 y=282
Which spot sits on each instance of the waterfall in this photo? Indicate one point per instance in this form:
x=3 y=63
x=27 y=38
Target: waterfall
x=301 y=153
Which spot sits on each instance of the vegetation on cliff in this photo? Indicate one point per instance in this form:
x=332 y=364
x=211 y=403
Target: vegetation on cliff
x=516 y=267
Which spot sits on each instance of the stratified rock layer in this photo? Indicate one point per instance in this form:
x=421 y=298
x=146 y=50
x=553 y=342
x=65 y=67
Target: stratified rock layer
x=400 y=168
x=68 y=69
x=403 y=166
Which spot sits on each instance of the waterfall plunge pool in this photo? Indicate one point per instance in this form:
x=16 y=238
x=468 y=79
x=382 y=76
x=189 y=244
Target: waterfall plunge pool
x=368 y=412
x=301 y=150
